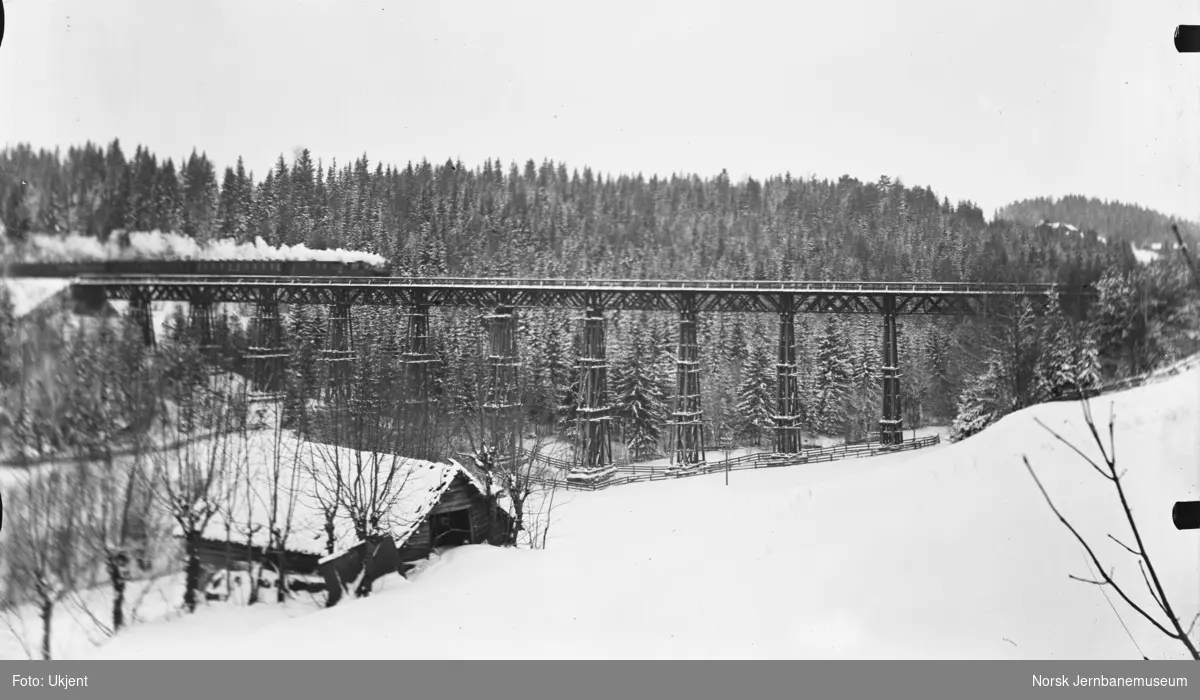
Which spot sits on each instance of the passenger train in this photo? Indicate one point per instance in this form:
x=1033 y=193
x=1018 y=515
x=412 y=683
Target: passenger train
x=167 y=268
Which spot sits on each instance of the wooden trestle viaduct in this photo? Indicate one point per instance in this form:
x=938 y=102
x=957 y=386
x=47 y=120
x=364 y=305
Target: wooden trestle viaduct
x=504 y=297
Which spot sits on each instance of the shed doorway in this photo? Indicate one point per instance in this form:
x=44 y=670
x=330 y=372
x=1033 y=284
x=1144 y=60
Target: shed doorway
x=451 y=528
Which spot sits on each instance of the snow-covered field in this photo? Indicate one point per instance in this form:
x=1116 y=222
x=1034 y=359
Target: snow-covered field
x=948 y=552
x=80 y=622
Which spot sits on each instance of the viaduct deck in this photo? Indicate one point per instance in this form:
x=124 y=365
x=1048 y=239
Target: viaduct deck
x=503 y=296
x=652 y=295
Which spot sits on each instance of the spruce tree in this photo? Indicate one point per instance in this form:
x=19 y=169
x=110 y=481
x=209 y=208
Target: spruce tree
x=986 y=399
x=639 y=402
x=756 y=395
x=168 y=199
x=833 y=380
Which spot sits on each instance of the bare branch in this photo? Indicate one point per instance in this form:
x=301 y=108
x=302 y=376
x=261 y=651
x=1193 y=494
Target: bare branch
x=1150 y=588
x=1127 y=548
x=1092 y=555
x=1091 y=424
x=1112 y=439
x=1075 y=449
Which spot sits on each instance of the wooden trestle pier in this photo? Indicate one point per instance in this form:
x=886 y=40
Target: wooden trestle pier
x=504 y=297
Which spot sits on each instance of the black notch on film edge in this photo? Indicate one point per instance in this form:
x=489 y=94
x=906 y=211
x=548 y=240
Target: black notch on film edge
x=1187 y=38
x=1186 y=515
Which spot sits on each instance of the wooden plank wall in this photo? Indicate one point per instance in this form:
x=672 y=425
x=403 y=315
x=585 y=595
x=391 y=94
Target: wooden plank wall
x=216 y=555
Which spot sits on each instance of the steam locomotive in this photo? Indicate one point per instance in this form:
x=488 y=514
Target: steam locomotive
x=168 y=268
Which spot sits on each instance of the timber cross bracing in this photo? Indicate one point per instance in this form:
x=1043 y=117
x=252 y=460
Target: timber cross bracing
x=687 y=420
x=502 y=402
x=611 y=295
x=593 y=448
x=685 y=297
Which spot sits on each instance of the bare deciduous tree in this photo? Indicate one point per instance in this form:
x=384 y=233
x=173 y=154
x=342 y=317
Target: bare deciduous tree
x=282 y=483
x=357 y=470
x=191 y=473
x=111 y=406
x=1172 y=627
x=43 y=538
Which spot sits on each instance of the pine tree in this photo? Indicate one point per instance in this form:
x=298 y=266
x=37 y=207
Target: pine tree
x=168 y=199
x=639 y=402
x=568 y=391
x=833 y=381
x=756 y=395
x=1022 y=346
x=199 y=197
x=1087 y=360
x=227 y=205
x=867 y=390
x=985 y=400
x=941 y=380
x=140 y=206
x=1055 y=370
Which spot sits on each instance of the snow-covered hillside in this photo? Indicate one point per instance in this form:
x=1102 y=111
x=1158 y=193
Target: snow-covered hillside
x=1145 y=255
x=949 y=552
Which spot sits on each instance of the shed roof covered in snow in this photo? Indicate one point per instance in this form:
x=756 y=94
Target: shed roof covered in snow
x=306 y=475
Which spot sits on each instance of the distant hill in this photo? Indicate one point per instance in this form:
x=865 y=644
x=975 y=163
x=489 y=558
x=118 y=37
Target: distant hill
x=1113 y=220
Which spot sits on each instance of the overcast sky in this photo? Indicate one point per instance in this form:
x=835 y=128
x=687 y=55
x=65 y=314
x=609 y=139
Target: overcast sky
x=985 y=101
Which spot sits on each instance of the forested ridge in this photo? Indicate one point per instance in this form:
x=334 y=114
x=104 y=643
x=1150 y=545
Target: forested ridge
x=1125 y=221
x=555 y=220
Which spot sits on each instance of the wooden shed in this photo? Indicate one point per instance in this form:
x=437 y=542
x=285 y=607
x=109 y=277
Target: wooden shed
x=454 y=512
x=435 y=505
x=459 y=515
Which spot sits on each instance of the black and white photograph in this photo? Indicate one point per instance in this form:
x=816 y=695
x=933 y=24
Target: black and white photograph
x=655 y=330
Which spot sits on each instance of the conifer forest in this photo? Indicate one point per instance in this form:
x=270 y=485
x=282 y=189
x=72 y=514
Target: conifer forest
x=553 y=220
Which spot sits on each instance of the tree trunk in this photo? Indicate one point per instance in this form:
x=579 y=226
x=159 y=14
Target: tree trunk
x=330 y=540
x=47 y=616
x=363 y=587
x=116 y=562
x=192 y=583
x=518 y=522
x=281 y=569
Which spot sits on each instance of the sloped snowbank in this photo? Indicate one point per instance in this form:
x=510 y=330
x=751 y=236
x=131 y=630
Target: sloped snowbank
x=948 y=552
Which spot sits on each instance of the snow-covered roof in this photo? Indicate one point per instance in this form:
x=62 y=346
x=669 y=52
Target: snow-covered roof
x=27 y=294
x=1058 y=225
x=1143 y=255
x=308 y=470
x=157 y=245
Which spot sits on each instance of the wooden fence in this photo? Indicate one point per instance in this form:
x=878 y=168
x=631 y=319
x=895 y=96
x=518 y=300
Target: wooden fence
x=1153 y=377
x=635 y=473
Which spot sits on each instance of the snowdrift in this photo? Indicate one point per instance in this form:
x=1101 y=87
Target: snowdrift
x=949 y=552
x=157 y=245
